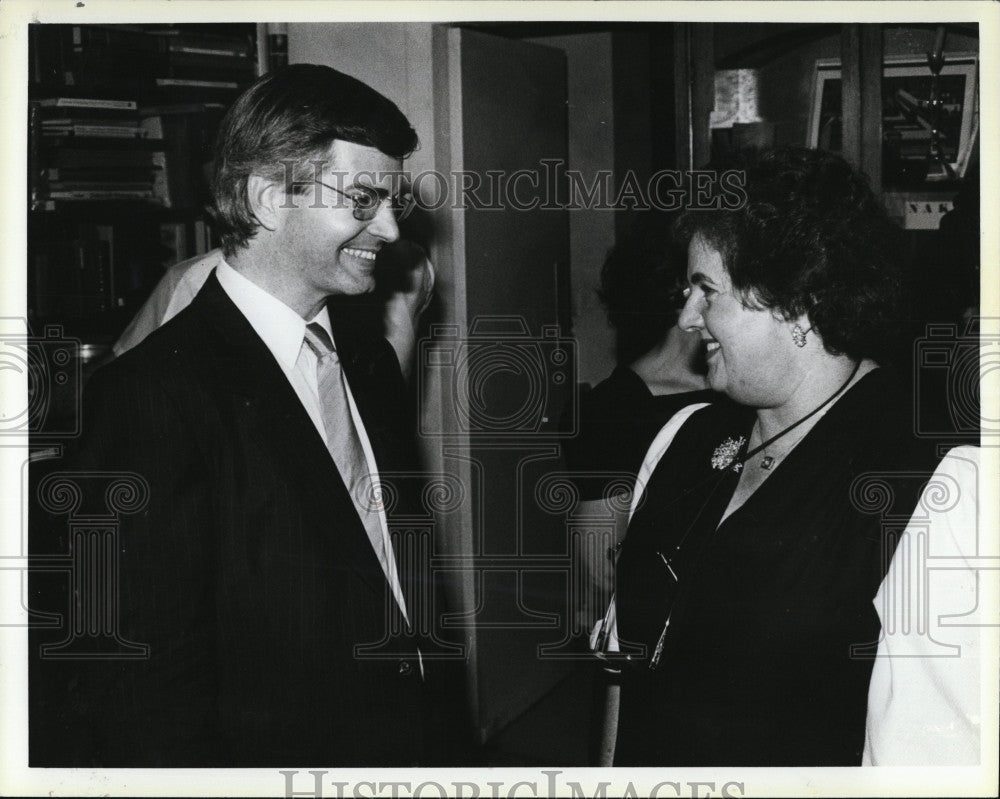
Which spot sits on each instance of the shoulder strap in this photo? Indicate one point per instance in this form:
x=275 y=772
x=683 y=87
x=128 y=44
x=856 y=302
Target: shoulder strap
x=604 y=636
x=657 y=449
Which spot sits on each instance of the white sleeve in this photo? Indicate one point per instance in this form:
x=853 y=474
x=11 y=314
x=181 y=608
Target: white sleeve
x=924 y=697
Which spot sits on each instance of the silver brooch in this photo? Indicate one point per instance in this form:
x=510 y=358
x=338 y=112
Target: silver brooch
x=726 y=452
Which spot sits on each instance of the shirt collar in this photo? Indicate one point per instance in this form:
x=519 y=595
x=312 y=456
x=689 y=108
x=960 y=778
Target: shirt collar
x=281 y=328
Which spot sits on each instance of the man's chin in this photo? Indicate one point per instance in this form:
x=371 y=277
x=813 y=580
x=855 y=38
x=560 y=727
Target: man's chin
x=358 y=285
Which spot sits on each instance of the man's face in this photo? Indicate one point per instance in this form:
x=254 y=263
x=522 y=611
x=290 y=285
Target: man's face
x=320 y=247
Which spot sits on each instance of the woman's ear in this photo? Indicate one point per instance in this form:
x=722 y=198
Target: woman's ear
x=264 y=197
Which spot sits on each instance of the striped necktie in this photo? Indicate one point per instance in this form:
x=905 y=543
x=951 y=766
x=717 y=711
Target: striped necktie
x=342 y=437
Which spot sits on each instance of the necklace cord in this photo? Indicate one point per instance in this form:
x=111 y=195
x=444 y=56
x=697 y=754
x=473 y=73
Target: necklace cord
x=809 y=415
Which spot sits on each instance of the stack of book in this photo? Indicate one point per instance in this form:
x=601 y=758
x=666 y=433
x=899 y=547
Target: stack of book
x=200 y=66
x=91 y=59
x=179 y=63
x=89 y=149
x=97 y=127
x=78 y=116
x=122 y=122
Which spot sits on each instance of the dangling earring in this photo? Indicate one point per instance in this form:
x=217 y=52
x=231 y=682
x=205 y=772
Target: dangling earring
x=799 y=336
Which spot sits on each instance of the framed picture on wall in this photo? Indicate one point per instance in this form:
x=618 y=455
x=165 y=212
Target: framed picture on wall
x=907 y=120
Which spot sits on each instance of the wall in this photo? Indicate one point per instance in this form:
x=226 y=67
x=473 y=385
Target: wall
x=393 y=58
x=618 y=121
x=592 y=231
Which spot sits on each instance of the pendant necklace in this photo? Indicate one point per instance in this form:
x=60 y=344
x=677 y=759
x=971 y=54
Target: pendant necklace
x=727 y=452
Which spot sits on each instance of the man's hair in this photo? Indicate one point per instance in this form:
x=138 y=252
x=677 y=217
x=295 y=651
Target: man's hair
x=811 y=239
x=288 y=118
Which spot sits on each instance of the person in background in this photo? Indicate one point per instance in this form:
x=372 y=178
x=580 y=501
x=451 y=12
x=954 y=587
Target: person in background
x=281 y=627
x=758 y=537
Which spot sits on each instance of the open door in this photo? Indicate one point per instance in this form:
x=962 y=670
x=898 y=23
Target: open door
x=502 y=367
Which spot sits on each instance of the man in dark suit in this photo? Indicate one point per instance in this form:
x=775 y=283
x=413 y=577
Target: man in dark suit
x=261 y=574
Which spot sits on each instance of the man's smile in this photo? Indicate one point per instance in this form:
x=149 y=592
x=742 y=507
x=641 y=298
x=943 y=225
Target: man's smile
x=368 y=255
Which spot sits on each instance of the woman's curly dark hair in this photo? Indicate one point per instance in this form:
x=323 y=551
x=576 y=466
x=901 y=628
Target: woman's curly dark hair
x=811 y=239
x=640 y=283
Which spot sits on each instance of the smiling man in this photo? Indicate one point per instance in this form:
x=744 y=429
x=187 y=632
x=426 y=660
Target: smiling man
x=261 y=574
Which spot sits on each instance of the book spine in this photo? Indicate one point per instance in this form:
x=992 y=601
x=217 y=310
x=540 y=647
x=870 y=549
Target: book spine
x=213 y=51
x=102 y=194
x=94 y=132
x=109 y=131
x=105 y=174
x=88 y=102
x=205 y=45
x=63 y=122
x=100 y=185
x=199 y=84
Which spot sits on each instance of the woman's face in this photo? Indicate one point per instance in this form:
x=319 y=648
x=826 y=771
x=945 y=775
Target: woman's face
x=747 y=350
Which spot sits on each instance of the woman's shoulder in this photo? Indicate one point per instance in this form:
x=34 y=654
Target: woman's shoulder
x=619 y=392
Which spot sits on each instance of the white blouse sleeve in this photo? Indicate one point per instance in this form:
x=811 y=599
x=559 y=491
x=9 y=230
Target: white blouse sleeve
x=924 y=701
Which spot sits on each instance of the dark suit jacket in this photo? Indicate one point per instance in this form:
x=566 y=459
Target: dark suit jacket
x=249 y=574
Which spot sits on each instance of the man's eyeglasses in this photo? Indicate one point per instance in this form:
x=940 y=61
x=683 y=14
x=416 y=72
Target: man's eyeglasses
x=366 y=201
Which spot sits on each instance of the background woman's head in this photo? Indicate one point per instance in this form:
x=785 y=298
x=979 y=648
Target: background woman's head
x=811 y=241
x=640 y=286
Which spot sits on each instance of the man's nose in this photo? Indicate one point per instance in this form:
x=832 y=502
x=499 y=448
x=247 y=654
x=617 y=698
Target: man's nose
x=384 y=224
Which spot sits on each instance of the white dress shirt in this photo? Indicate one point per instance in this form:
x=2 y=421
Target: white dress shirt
x=282 y=331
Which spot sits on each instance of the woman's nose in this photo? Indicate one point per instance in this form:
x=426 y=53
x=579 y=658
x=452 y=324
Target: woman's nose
x=690 y=316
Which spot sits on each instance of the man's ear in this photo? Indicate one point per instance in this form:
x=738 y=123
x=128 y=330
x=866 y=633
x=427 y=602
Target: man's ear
x=265 y=198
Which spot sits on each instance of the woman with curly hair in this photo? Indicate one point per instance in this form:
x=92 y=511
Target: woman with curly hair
x=745 y=625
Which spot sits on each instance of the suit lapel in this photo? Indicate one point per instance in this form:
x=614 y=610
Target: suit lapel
x=245 y=368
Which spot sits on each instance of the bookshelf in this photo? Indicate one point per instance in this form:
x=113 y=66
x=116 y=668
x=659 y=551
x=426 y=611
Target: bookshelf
x=121 y=123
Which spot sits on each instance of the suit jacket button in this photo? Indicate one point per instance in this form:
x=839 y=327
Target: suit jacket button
x=404 y=668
